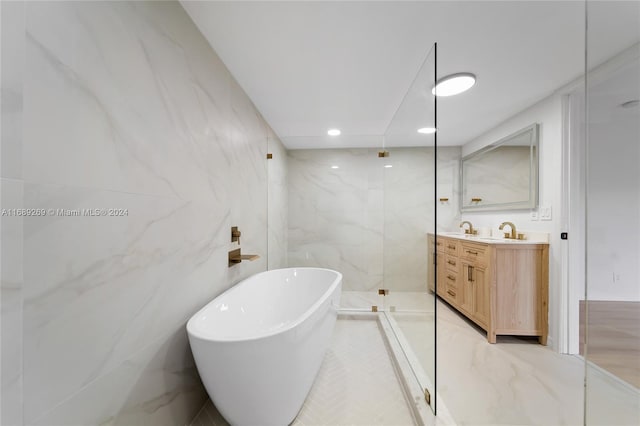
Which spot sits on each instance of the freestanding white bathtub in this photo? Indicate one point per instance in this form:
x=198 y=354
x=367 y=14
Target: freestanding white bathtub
x=259 y=345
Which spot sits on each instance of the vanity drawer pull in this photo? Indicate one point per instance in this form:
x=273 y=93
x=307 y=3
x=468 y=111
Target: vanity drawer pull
x=452 y=247
x=451 y=262
x=451 y=293
x=451 y=277
x=475 y=253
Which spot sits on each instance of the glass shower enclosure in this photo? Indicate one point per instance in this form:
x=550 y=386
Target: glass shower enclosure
x=365 y=211
x=610 y=311
x=409 y=164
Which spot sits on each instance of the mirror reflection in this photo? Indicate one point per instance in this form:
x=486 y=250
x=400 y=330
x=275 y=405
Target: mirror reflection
x=502 y=175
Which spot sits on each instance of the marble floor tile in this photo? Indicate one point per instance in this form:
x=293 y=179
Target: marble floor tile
x=514 y=382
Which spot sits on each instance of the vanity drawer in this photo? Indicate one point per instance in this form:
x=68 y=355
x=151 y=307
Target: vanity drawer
x=476 y=253
x=451 y=263
x=451 y=287
x=450 y=279
x=452 y=293
x=450 y=246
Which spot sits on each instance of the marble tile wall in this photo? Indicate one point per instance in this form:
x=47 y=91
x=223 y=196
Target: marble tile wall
x=409 y=211
x=11 y=196
x=367 y=221
x=278 y=201
x=125 y=107
x=335 y=214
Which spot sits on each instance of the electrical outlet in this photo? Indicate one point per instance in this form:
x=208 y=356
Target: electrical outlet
x=533 y=215
x=545 y=212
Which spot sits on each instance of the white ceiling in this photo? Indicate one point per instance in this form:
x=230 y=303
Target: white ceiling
x=311 y=66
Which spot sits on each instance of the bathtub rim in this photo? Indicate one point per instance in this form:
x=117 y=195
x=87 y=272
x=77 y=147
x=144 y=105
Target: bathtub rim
x=299 y=320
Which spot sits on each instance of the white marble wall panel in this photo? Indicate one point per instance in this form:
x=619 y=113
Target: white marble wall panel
x=163 y=381
x=334 y=213
x=127 y=107
x=246 y=180
x=11 y=60
x=409 y=214
x=11 y=197
x=278 y=207
x=11 y=289
x=132 y=104
x=448 y=186
x=409 y=200
x=98 y=289
x=366 y=220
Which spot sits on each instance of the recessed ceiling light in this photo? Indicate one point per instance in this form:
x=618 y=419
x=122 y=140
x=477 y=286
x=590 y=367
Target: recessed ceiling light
x=335 y=167
x=427 y=130
x=388 y=166
x=454 y=84
x=630 y=104
x=333 y=132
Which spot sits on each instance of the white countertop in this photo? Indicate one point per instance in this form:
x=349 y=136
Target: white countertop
x=530 y=238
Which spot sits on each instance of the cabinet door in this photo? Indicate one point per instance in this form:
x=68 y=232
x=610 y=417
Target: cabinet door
x=480 y=295
x=466 y=288
x=474 y=298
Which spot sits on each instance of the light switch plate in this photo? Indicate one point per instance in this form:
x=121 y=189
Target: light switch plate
x=534 y=215
x=545 y=212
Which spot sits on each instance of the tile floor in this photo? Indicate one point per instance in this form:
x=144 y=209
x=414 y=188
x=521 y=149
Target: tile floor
x=514 y=382
x=356 y=384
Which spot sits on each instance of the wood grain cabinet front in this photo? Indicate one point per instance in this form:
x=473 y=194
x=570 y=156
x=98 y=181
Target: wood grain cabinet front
x=502 y=287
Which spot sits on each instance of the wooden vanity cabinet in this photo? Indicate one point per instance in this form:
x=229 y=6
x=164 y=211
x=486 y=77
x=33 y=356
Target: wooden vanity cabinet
x=502 y=287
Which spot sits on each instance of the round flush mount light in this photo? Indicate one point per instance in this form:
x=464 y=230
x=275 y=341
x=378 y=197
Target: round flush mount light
x=333 y=132
x=427 y=130
x=454 y=84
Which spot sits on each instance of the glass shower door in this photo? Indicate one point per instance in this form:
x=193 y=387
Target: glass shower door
x=408 y=161
x=610 y=313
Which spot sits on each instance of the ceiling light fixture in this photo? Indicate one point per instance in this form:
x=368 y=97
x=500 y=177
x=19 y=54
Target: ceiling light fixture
x=335 y=167
x=333 y=132
x=454 y=84
x=427 y=130
x=388 y=166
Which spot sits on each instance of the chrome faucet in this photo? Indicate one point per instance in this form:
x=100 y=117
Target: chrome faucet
x=470 y=230
x=513 y=230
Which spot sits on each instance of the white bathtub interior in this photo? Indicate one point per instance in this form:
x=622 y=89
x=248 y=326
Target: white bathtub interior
x=243 y=314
